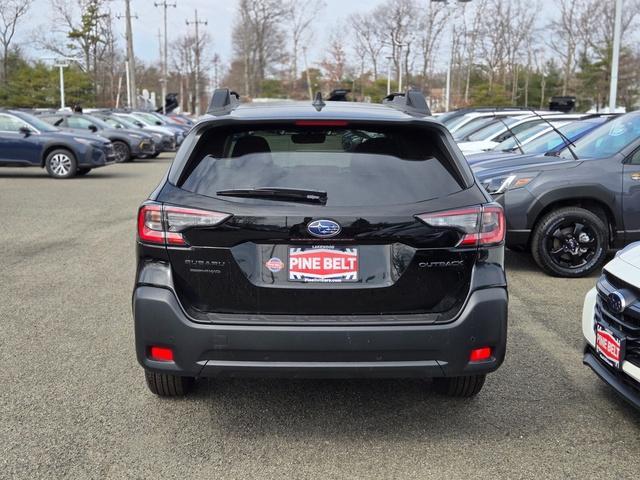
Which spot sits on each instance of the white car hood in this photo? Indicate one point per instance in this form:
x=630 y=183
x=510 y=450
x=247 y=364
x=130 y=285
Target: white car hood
x=626 y=265
x=631 y=255
x=476 y=147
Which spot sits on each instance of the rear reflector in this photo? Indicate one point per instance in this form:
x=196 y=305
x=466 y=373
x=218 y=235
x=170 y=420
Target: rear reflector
x=481 y=225
x=480 y=354
x=164 y=225
x=322 y=123
x=161 y=354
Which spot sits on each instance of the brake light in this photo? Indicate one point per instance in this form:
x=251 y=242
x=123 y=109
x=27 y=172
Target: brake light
x=322 y=123
x=482 y=225
x=164 y=225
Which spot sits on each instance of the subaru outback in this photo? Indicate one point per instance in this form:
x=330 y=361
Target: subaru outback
x=324 y=239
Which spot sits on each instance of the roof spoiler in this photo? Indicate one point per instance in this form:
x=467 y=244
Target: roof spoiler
x=412 y=103
x=223 y=101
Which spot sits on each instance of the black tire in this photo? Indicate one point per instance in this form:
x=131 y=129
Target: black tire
x=166 y=385
x=155 y=155
x=570 y=242
x=123 y=152
x=83 y=171
x=460 y=387
x=61 y=163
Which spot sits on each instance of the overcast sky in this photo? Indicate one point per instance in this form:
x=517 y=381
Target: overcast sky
x=218 y=13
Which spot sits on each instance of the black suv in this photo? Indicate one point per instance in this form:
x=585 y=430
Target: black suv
x=570 y=209
x=320 y=240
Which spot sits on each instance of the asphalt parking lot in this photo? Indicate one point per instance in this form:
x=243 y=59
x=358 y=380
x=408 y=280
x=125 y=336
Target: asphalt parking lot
x=73 y=402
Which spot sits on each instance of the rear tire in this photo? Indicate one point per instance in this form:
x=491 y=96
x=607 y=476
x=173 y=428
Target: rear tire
x=167 y=385
x=460 y=387
x=563 y=232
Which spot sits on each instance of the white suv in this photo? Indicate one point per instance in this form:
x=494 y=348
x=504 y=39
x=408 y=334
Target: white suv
x=611 y=324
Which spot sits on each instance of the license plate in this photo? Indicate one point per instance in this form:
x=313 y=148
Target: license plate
x=323 y=264
x=610 y=346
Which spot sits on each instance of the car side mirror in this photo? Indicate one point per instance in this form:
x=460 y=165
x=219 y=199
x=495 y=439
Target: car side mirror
x=26 y=131
x=93 y=128
x=158 y=122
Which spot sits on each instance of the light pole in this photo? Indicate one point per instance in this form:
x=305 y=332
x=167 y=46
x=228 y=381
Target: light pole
x=400 y=46
x=447 y=93
x=164 y=5
x=61 y=63
x=197 y=22
x=389 y=58
x=615 y=61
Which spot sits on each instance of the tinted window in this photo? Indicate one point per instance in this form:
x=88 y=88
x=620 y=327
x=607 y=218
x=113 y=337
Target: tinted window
x=35 y=122
x=520 y=138
x=472 y=126
x=551 y=139
x=55 y=120
x=10 y=124
x=75 y=121
x=608 y=139
x=355 y=167
x=492 y=129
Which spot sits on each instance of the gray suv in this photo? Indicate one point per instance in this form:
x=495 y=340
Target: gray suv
x=128 y=144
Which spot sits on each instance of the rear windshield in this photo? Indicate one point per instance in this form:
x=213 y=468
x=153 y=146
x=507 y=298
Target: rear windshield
x=355 y=167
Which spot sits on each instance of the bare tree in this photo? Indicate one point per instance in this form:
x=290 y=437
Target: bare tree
x=300 y=17
x=11 y=11
x=571 y=29
x=430 y=26
x=398 y=27
x=335 y=63
x=368 y=40
x=259 y=39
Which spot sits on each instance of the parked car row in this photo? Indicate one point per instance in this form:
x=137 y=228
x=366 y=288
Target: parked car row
x=569 y=184
x=67 y=144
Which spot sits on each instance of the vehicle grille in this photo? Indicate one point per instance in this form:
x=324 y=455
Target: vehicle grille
x=627 y=322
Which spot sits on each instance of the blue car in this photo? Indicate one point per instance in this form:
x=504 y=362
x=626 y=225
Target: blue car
x=26 y=141
x=548 y=144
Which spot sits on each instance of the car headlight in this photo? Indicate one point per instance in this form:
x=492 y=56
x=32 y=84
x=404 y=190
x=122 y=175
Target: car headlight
x=502 y=183
x=86 y=141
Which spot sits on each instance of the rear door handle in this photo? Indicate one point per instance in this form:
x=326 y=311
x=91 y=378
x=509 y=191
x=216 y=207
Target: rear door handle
x=635 y=176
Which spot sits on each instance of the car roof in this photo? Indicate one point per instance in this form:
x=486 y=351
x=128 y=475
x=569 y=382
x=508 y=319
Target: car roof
x=287 y=110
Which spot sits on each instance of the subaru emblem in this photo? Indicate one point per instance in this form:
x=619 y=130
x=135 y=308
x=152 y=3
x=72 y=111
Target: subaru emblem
x=617 y=302
x=324 y=228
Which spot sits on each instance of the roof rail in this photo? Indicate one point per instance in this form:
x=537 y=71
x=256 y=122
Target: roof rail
x=223 y=101
x=412 y=103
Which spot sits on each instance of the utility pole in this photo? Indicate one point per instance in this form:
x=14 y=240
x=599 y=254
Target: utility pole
x=306 y=67
x=164 y=4
x=132 y=94
x=617 y=34
x=197 y=23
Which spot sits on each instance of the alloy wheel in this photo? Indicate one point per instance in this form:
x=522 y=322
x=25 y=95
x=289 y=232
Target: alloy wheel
x=60 y=164
x=572 y=244
x=121 y=151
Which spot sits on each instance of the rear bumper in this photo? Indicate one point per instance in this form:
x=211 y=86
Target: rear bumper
x=208 y=350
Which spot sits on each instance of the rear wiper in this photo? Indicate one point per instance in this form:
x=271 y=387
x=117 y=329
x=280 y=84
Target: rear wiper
x=278 y=194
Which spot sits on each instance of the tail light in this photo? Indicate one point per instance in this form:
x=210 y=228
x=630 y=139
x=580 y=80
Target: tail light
x=163 y=225
x=482 y=225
